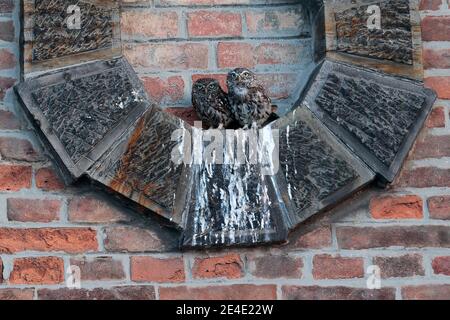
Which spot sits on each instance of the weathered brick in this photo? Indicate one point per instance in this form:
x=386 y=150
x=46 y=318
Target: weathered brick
x=8 y=121
x=229 y=266
x=33 y=210
x=71 y=240
x=396 y=207
x=441 y=265
x=149 y=269
x=204 y=23
x=89 y=209
x=436 y=118
x=317 y=238
x=16 y=294
x=14 y=177
x=336 y=293
x=424 y=177
x=275 y=266
x=436 y=28
x=430 y=146
x=115 y=293
x=439 y=84
x=439 y=207
x=409 y=265
x=328 y=267
x=235 y=54
x=430 y=4
x=436 y=58
x=99 y=268
x=404 y=236
x=151 y=24
x=17 y=149
x=276 y=22
x=167 y=56
x=232 y=292
x=7 y=30
x=41 y=270
x=133 y=239
x=48 y=180
x=7 y=59
x=164 y=90
x=427 y=292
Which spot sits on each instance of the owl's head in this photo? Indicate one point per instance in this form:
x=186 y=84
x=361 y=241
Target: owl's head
x=206 y=87
x=241 y=77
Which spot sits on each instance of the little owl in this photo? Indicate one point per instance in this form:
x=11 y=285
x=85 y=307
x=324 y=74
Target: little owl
x=211 y=103
x=248 y=100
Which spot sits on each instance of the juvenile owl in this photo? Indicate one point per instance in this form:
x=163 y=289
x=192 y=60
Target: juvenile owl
x=248 y=100
x=211 y=103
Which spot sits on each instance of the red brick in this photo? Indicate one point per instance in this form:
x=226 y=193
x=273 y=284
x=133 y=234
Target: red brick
x=148 y=269
x=133 y=239
x=436 y=118
x=7 y=30
x=382 y=237
x=279 y=85
x=432 y=147
x=17 y=149
x=229 y=266
x=168 y=90
x=14 y=178
x=232 y=292
x=424 y=177
x=436 y=28
x=214 y=24
x=409 y=265
x=150 y=25
x=328 y=267
x=187 y=114
x=439 y=207
x=276 y=22
x=430 y=4
x=16 y=294
x=48 y=180
x=336 y=293
x=42 y=270
x=167 y=56
x=7 y=59
x=8 y=121
x=71 y=240
x=115 y=293
x=396 y=207
x=439 y=84
x=276 y=266
x=33 y=210
x=235 y=54
x=94 y=210
x=99 y=268
x=441 y=265
x=436 y=58
x=316 y=239
x=427 y=292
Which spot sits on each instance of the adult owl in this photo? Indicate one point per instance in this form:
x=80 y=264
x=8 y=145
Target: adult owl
x=248 y=99
x=211 y=103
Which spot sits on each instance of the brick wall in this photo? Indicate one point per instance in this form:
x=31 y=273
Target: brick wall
x=179 y=41
x=45 y=228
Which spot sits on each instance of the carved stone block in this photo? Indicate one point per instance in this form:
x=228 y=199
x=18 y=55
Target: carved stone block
x=376 y=115
x=394 y=47
x=81 y=111
x=58 y=33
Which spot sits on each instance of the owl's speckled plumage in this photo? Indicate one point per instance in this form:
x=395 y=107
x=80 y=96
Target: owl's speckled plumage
x=211 y=103
x=248 y=99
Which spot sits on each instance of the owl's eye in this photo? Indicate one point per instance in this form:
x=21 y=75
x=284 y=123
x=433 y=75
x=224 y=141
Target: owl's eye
x=246 y=74
x=211 y=86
